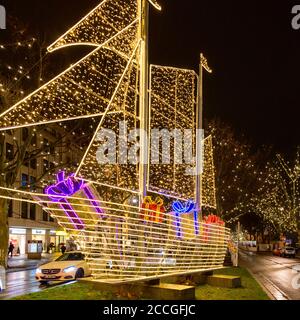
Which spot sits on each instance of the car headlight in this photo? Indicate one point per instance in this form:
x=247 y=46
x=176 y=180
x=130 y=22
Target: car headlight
x=38 y=270
x=69 y=269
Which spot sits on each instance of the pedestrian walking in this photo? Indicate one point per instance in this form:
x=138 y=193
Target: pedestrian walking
x=11 y=249
x=63 y=249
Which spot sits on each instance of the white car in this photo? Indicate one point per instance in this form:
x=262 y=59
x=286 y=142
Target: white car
x=69 y=266
x=288 y=252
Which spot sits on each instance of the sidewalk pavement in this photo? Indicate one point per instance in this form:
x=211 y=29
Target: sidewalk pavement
x=21 y=263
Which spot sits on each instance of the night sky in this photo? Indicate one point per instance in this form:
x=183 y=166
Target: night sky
x=251 y=46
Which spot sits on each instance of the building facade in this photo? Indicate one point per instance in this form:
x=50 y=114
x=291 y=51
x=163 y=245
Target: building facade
x=27 y=221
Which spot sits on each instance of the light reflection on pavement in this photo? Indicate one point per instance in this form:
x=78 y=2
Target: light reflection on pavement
x=22 y=282
x=276 y=273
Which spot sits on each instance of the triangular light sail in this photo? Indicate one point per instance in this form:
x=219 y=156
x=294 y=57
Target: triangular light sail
x=84 y=90
x=101 y=24
x=116 y=174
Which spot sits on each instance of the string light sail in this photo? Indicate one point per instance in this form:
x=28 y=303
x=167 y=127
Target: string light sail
x=136 y=220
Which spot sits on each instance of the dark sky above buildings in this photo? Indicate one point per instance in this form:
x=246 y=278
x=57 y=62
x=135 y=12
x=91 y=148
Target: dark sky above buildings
x=251 y=46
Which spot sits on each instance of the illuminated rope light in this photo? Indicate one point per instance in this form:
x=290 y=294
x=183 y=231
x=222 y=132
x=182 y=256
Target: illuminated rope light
x=204 y=63
x=120 y=245
x=44 y=100
x=155 y=4
x=100 y=24
x=181 y=209
x=66 y=187
x=150 y=256
x=104 y=204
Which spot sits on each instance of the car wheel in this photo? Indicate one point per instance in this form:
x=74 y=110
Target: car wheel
x=43 y=282
x=79 y=274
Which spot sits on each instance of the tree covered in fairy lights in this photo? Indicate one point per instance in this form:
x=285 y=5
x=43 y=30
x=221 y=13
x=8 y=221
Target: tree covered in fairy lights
x=22 y=69
x=238 y=171
x=254 y=187
x=278 y=198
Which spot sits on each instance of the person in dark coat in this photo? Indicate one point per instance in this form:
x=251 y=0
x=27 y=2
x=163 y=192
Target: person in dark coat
x=11 y=249
x=63 y=249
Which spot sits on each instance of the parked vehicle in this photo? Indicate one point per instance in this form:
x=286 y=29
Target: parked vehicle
x=277 y=252
x=285 y=252
x=288 y=252
x=69 y=266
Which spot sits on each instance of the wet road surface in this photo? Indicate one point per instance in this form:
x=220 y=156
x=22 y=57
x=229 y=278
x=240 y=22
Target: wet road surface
x=281 y=276
x=22 y=282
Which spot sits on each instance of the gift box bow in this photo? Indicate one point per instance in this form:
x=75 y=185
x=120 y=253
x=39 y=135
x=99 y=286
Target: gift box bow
x=180 y=209
x=154 y=209
x=66 y=187
x=213 y=219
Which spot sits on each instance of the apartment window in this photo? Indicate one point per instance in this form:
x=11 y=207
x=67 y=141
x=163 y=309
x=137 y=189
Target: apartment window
x=10 y=208
x=32 y=183
x=33 y=164
x=24 y=211
x=51 y=219
x=25 y=134
x=32 y=211
x=24 y=180
x=45 y=216
x=9 y=151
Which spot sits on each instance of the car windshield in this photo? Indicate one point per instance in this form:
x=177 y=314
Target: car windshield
x=72 y=256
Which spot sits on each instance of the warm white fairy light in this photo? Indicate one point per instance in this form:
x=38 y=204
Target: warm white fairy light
x=278 y=200
x=135 y=249
x=119 y=244
x=93 y=78
x=173 y=105
x=208 y=184
x=26 y=43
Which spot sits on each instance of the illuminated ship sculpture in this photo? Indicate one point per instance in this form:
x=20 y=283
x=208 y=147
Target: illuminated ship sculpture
x=133 y=221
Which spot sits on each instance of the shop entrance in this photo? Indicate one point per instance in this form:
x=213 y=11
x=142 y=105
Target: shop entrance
x=19 y=242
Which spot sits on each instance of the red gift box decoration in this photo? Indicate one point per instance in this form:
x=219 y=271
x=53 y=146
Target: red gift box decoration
x=210 y=219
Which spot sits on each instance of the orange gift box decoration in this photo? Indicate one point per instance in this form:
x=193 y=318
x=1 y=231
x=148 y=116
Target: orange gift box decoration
x=154 y=209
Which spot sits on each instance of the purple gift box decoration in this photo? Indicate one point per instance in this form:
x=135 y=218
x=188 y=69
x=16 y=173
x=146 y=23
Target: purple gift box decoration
x=67 y=187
